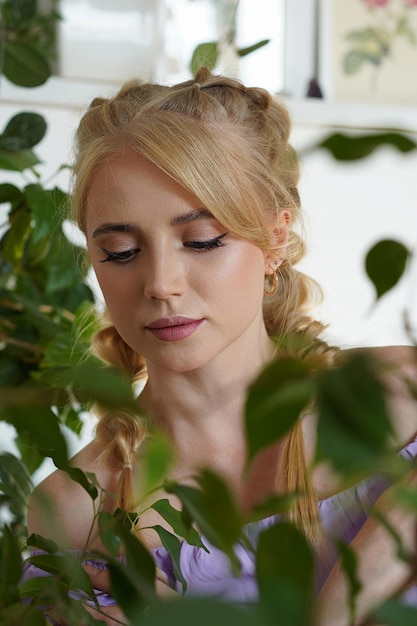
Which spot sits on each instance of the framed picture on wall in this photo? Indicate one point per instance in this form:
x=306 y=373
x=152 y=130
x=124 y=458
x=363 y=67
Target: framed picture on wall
x=368 y=50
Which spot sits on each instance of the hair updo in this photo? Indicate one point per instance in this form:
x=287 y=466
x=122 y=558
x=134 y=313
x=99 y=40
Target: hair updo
x=228 y=145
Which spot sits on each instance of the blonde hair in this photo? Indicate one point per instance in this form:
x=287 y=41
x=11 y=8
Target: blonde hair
x=218 y=139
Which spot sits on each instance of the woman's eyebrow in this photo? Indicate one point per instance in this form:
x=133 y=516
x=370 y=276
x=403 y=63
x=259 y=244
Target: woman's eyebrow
x=186 y=218
x=191 y=216
x=114 y=228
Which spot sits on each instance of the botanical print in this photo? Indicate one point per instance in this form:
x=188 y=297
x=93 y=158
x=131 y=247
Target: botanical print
x=375 y=47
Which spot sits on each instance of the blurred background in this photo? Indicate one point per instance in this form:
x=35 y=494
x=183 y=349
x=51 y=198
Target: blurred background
x=348 y=205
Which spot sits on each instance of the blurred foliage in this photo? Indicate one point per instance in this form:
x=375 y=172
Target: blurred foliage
x=28 y=40
x=48 y=379
x=207 y=54
x=344 y=147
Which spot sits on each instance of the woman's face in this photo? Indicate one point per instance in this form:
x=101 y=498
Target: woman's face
x=180 y=289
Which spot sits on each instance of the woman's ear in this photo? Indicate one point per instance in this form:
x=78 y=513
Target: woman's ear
x=280 y=232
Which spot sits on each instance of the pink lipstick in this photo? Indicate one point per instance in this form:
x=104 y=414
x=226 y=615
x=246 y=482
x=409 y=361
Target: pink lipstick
x=173 y=328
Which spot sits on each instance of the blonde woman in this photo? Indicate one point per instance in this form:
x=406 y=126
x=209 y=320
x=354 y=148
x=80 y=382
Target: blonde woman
x=187 y=196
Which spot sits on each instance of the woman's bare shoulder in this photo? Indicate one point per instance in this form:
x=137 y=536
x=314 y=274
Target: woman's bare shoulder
x=61 y=509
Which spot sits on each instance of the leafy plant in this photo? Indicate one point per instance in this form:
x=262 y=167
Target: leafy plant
x=207 y=53
x=28 y=41
x=47 y=379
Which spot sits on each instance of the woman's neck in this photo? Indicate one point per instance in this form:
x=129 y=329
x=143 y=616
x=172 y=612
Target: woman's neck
x=208 y=391
x=202 y=410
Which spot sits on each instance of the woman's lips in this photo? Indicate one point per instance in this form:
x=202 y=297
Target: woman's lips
x=173 y=328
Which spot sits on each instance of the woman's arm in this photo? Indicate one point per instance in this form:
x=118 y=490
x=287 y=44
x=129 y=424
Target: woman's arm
x=380 y=571
x=61 y=510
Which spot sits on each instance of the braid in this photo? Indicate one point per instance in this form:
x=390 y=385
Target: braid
x=120 y=433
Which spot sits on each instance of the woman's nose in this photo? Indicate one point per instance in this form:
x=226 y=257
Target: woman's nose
x=164 y=277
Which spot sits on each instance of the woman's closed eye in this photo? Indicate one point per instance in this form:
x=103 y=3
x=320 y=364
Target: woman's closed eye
x=208 y=244
x=124 y=256
x=119 y=257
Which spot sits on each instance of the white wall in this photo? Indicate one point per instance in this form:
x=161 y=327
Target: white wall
x=348 y=208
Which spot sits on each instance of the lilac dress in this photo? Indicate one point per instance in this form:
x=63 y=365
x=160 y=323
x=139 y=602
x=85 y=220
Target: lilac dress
x=209 y=574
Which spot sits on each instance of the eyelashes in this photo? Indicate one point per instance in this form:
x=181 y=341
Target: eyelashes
x=124 y=256
x=206 y=245
x=121 y=257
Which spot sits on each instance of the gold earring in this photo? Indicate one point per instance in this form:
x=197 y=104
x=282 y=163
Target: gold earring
x=273 y=284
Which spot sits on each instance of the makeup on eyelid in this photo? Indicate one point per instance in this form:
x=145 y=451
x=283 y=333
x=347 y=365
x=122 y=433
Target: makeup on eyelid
x=123 y=256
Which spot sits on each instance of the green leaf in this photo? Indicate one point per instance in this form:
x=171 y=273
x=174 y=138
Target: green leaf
x=407 y=496
x=204 y=55
x=24 y=130
x=24 y=65
x=242 y=52
x=30 y=455
x=373 y=53
x=109 y=538
x=373 y=43
x=68 y=568
x=176 y=521
x=18 y=161
x=46 y=209
x=139 y=559
x=16 y=481
x=349 y=148
x=393 y=613
x=275 y=402
x=404 y=29
x=214 y=510
x=285 y=574
x=127 y=591
x=63 y=264
x=354 y=428
x=39 y=542
x=353 y=62
x=366 y=35
x=349 y=564
x=67 y=348
x=23 y=10
x=83 y=479
x=9 y=193
x=385 y=264
x=16 y=238
x=127 y=519
x=173 y=545
x=202 y=612
x=133 y=582
x=221 y=506
x=92 y=382
x=19 y=613
x=12 y=564
x=37 y=587
x=72 y=420
x=156 y=460
x=37 y=422
x=14 y=468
